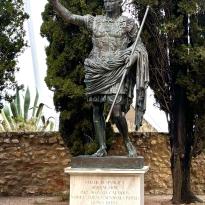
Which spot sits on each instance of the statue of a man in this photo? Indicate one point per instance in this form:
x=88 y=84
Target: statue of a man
x=113 y=38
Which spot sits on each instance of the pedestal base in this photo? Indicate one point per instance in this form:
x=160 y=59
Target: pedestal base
x=90 y=186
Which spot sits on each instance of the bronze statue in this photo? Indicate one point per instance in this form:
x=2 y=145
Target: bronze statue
x=113 y=38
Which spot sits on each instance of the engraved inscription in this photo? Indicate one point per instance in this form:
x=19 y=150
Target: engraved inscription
x=106 y=191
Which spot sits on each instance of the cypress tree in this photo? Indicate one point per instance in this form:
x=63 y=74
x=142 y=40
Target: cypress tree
x=177 y=75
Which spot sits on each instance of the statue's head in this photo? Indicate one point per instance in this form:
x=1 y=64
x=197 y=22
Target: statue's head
x=112 y=5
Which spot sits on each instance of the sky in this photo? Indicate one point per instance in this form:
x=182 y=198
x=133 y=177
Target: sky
x=28 y=60
x=37 y=59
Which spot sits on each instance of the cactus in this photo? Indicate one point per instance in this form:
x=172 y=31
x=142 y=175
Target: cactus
x=27 y=100
x=13 y=119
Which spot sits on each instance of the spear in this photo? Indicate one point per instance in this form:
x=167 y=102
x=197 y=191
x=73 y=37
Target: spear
x=126 y=70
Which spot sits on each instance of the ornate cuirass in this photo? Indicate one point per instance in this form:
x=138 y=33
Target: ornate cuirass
x=109 y=36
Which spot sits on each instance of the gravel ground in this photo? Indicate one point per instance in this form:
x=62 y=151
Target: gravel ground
x=165 y=200
x=149 y=200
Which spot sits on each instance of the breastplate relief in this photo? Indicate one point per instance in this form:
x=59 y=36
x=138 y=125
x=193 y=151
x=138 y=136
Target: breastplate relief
x=109 y=34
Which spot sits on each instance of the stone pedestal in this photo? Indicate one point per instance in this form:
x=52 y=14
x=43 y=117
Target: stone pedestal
x=103 y=186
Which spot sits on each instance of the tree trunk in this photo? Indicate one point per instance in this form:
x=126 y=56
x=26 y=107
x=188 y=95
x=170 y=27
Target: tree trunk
x=181 y=142
x=181 y=179
x=178 y=133
x=187 y=195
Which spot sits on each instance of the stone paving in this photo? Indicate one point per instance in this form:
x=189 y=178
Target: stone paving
x=149 y=200
x=32 y=201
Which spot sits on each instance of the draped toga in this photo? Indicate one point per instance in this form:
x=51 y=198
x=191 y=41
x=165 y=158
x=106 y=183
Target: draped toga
x=112 y=44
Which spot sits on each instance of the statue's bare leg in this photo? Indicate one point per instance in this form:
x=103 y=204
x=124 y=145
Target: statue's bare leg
x=99 y=125
x=121 y=123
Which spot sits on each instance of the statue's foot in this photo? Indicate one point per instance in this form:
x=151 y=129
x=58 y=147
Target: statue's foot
x=100 y=153
x=131 y=149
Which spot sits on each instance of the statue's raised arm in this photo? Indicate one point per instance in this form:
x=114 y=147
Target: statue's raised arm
x=69 y=17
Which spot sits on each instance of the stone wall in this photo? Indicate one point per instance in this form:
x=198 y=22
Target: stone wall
x=156 y=151
x=33 y=163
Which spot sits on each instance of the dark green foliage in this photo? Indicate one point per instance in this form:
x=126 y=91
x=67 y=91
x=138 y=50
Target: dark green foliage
x=68 y=47
x=184 y=68
x=177 y=74
x=12 y=42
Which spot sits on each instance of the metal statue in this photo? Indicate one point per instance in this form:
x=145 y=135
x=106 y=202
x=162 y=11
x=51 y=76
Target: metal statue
x=113 y=36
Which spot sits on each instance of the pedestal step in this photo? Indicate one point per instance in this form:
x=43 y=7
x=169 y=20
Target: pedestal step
x=110 y=162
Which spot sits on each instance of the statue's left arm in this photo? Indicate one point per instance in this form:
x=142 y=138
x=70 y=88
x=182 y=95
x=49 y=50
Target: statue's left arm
x=140 y=61
x=132 y=31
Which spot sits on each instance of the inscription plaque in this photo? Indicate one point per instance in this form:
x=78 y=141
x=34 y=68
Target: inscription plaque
x=108 y=187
